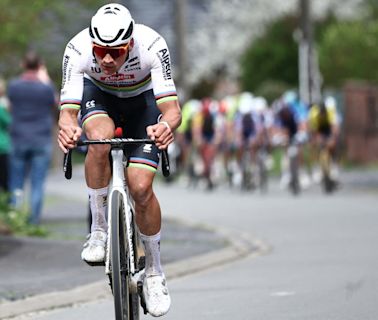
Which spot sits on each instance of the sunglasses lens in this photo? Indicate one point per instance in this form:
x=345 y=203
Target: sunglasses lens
x=99 y=51
x=114 y=52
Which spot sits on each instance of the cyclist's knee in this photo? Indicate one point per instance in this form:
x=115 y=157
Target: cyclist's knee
x=141 y=191
x=140 y=185
x=99 y=151
x=99 y=128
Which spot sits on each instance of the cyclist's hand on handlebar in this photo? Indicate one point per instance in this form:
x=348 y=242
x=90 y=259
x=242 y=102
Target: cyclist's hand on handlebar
x=68 y=136
x=161 y=133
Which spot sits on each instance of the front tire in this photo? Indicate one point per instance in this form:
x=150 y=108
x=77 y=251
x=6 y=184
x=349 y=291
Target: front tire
x=294 y=173
x=119 y=261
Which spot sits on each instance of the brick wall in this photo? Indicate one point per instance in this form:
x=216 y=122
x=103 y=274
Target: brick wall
x=361 y=122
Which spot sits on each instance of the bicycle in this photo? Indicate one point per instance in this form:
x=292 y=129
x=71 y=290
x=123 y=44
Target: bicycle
x=124 y=259
x=292 y=154
x=325 y=161
x=291 y=158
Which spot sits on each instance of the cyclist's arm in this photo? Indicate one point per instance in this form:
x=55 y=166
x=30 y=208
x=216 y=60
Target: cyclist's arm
x=165 y=95
x=335 y=132
x=69 y=130
x=71 y=94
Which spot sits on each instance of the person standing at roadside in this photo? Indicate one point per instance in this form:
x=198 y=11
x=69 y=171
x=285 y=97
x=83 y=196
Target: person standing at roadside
x=4 y=138
x=32 y=102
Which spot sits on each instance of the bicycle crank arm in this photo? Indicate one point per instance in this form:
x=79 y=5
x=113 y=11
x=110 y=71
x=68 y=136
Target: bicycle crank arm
x=135 y=279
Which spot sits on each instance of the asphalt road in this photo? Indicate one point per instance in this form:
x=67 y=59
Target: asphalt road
x=318 y=259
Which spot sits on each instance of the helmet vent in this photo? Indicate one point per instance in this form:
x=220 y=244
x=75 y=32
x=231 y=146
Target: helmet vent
x=108 y=41
x=129 y=31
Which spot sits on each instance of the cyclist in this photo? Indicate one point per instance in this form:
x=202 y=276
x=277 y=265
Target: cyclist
x=204 y=133
x=230 y=148
x=185 y=139
x=118 y=74
x=248 y=130
x=324 y=126
x=290 y=126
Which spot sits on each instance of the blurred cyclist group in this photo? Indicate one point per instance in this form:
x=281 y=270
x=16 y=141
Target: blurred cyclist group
x=221 y=140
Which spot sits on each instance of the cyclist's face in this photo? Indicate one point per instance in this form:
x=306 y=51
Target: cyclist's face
x=110 y=59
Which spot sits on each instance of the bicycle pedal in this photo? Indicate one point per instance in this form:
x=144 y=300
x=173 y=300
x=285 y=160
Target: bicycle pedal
x=95 y=264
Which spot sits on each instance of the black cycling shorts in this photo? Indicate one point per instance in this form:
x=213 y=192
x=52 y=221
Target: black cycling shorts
x=133 y=115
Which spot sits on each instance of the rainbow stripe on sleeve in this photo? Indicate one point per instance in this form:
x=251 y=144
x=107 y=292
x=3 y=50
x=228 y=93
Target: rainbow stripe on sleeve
x=143 y=163
x=166 y=96
x=70 y=104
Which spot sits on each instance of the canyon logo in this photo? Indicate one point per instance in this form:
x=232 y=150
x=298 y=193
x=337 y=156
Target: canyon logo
x=165 y=63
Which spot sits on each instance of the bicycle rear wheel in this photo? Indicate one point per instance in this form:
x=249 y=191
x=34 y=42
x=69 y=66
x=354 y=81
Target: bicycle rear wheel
x=120 y=276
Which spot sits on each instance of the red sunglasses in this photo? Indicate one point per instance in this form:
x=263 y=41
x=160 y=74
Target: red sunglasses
x=115 y=52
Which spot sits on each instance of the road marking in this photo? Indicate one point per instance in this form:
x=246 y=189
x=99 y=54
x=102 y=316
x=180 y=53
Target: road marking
x=282 y=294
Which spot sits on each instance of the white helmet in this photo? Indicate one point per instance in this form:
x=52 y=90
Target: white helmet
x=330 y=103
x=246 y=102
x=112 y=25
x=260 y=104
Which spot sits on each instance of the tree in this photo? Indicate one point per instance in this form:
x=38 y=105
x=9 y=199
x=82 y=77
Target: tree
x=38 y=25
x=348 y=50
x=273 y=56
x=225 y=29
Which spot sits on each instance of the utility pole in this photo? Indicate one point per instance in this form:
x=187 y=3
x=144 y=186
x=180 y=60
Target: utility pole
x=309 y=74
x=304 y=51
x=181 y=50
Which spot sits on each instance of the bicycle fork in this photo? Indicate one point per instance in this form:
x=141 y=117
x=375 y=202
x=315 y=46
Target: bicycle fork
x=118 y=185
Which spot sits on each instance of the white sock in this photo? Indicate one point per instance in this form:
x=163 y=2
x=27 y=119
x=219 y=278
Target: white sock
x=97 y=201
x=152 y=251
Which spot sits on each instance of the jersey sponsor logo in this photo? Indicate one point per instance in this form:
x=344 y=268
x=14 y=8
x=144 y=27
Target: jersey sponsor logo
x=165 y=63
x=66 y=59
x=90 y=104
x=118 y=77
x=132 y=67
x=153 y=42
x=133 y=64
x=147 y=148
x=96 y=70
x=72 y=47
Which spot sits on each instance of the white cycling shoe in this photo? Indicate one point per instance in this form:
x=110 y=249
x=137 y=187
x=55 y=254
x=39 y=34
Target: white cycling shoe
x=94 y=247
x=156 y=295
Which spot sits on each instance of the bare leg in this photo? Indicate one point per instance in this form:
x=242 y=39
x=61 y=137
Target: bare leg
x=148 y=216
x=97 y=170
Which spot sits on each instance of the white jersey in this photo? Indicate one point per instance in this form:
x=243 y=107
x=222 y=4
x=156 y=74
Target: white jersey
x=147 y=67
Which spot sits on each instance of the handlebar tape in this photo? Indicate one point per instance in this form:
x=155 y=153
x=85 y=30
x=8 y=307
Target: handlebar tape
x=165 y=163
x=67 y=165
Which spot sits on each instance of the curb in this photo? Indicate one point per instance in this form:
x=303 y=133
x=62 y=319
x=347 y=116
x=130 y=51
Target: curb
x=239 y=246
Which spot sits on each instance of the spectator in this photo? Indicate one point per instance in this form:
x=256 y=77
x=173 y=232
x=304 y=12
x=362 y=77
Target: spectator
x=4 y=138
x=32 y=102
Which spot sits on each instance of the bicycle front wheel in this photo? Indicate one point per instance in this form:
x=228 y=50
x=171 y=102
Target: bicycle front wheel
x=119 y=262
x=294 y=172
x=325 y=163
